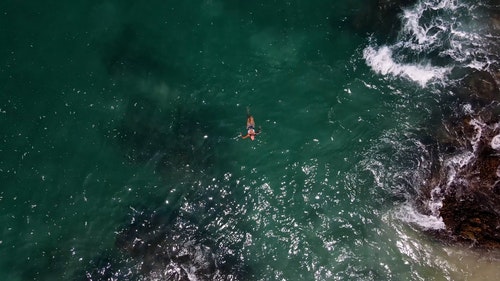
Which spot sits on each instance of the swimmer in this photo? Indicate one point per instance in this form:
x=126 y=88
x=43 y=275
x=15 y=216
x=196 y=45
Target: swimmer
x=251 y=133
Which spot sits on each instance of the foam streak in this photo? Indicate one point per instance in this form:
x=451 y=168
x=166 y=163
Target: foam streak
x=382 y=62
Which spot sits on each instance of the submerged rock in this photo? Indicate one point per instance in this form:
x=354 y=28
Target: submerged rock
x=164 y=248
x=158 y=245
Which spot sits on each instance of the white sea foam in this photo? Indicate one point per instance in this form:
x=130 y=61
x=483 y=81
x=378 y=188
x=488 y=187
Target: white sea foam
x=495 y=142
x=478 y=129
x=382 y=62
x=432 y=30
x=409 y=214
x=426 y=34
x=455 y=164
x=435 y=202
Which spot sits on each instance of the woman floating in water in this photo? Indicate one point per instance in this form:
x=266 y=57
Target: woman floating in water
x=250 y=127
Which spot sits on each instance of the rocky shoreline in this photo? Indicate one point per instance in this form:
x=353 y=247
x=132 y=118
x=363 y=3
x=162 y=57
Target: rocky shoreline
x=465 y=179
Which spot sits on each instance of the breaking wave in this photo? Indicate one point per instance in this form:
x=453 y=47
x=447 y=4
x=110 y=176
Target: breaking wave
x=436 y=38
x=382 y=62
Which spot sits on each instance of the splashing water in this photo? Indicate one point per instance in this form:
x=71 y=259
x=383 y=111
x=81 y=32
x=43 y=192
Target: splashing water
x=129 y=166
x=436 y=37
x=382 y=62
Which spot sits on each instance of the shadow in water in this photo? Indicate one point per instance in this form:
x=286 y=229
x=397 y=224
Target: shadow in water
x=158 y=245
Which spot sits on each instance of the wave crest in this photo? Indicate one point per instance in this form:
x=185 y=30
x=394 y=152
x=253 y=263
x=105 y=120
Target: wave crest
x=382 y=62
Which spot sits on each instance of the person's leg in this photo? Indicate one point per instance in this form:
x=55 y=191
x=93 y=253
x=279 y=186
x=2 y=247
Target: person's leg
x=250 y=122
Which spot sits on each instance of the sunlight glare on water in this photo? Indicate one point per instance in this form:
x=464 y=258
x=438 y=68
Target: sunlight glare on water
x=121 y=155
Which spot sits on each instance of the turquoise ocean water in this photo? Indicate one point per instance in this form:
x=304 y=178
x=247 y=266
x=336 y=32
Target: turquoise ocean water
x=120 y=156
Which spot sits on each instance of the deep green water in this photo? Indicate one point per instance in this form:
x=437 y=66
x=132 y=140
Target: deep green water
x=111 y=111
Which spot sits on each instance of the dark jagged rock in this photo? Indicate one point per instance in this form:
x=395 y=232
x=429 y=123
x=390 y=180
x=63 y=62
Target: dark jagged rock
x=466 y=178
x=481 y=86
x=471 y=216
x=471 y=205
